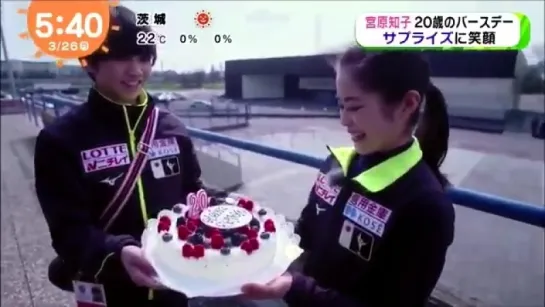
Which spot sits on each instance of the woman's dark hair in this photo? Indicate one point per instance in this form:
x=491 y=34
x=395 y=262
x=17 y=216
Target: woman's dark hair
x=121 y=41
x=392 y=74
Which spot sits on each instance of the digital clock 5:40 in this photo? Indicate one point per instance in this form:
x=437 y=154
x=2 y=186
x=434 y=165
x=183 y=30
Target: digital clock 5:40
x=78 y=26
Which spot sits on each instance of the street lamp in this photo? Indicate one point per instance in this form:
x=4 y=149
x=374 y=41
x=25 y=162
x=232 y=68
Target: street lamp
x=6 y=58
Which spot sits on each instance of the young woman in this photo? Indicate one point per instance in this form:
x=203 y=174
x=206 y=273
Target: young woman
x=378 y=222
x=84 y=158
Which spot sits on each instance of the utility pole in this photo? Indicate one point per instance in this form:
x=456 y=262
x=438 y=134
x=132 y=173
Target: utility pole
x=6 y=58
x=318 y=33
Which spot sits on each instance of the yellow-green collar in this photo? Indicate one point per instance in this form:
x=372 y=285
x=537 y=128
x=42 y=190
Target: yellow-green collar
x=142 y=99
x=384 y=174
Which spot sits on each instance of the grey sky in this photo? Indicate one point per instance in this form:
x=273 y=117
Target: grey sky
x=269 y=28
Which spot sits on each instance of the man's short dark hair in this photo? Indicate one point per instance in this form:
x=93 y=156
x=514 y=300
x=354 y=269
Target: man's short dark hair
x=121 y=41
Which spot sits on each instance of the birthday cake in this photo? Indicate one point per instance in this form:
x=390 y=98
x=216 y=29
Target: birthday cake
x=215 y=240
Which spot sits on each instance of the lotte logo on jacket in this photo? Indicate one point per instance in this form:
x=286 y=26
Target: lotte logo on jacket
x=324 y=190
x=100 y=158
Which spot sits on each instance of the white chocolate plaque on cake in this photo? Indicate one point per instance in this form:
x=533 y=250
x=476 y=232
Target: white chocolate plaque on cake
x=225 y=217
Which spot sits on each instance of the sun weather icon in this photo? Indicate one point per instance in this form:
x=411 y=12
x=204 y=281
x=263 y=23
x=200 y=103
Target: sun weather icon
x=203 y=19
x=67 y=34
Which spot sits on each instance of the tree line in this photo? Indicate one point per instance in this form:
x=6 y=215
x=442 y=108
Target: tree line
x=195 y=79
x=30 y=74
x=533 y=79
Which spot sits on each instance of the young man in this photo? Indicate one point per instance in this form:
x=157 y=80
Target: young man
x=83 y=158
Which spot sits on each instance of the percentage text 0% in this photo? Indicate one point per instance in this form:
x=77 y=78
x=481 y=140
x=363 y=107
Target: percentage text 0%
x=225 y=38
x=192 y=39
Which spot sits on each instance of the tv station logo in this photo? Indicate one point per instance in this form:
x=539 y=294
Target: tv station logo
x=148 y=20
x=443 y=31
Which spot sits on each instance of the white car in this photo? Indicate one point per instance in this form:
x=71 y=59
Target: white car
x=165 y=96
x=168 y=96
x=201 y=105
x=6 y=96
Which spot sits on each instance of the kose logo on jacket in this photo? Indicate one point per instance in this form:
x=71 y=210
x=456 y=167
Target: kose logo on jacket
x=366 y=213
x=105 y=157
x=324 y=190
x=163 y=148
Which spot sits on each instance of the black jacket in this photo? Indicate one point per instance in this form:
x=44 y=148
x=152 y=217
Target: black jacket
x=389 y=252
x=79 y=162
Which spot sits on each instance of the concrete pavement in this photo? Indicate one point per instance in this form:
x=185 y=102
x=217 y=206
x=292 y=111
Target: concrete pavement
x=493 y=261
x=26 y=250
x=25 y=237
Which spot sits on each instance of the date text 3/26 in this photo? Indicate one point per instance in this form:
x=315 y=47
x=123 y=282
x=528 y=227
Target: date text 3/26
x=68 y=46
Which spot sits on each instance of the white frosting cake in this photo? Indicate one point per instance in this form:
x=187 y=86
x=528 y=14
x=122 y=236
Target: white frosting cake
x=228 y=240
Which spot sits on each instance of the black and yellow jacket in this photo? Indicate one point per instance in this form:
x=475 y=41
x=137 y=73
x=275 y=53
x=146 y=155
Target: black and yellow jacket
x=376 y=237
x=81 y=159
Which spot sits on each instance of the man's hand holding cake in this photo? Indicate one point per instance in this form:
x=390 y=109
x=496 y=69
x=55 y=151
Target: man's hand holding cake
x=212 y=248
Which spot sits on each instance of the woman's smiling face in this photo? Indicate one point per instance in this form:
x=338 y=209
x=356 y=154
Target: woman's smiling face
x=372 y=126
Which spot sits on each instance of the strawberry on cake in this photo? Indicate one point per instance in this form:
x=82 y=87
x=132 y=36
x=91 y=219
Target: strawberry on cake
x=216 y=241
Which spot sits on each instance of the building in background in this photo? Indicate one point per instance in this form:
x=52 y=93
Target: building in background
x=303 y=79
x=71 y=71
x=21 y=68
x=41 y=69
x=477 y=85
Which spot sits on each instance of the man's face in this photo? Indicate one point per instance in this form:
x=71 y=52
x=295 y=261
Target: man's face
x=122 y=79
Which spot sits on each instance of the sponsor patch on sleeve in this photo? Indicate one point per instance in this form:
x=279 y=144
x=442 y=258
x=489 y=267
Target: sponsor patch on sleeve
x=89 y=294
x=356 y=240
x=367 y=214
x=325 y=191
x=165 y=167
x=100 y=158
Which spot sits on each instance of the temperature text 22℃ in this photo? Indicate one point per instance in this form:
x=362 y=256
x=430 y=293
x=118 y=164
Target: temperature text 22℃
x=150 y=38
x=147 y=37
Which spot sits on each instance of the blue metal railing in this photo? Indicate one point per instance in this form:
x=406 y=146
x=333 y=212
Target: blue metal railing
x=511 y=209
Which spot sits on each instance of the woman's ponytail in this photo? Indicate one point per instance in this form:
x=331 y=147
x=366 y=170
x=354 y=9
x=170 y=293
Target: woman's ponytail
x=433 y=131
